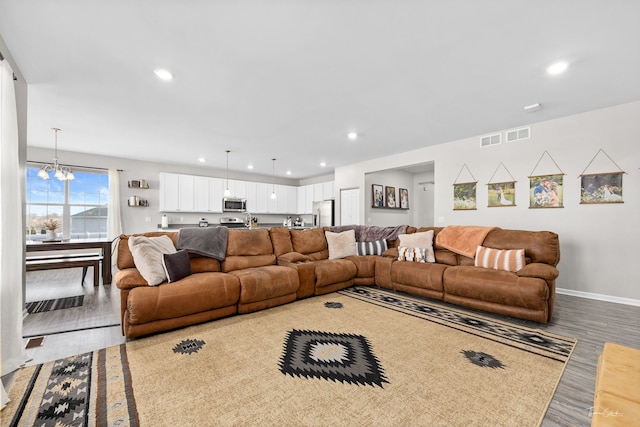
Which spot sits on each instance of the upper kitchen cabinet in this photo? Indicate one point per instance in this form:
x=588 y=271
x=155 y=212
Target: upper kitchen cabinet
x=238 y=189
x=177 y=192
x=327 y=190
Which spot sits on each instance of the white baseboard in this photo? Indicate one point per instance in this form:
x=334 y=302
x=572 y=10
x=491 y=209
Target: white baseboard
x=601 y=297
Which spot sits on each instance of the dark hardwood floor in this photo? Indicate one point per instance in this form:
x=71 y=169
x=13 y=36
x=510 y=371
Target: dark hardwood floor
x=592 y=322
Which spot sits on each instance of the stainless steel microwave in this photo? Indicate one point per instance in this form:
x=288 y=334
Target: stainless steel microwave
x=234 y=204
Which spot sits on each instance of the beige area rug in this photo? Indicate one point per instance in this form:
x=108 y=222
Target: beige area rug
x=362 y=356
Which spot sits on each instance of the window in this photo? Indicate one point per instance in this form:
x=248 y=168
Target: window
x=80 y=206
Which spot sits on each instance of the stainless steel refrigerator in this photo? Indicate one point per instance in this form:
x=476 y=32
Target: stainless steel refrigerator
x=323 y=213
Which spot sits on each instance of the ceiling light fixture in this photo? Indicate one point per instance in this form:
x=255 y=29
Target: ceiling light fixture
x=63 y=173
x=323 y=164
x=352 y=136
x=202 y=159
x=163 y=74
x=288 y=172
x=227 y=193
x=557 y=68
x=273 y=191
x=249 y=166
x=533 y=108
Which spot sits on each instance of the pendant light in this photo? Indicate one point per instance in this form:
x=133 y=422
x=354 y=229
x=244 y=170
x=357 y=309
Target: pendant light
x=227 y=193
x=63 y=173
x=273 y=191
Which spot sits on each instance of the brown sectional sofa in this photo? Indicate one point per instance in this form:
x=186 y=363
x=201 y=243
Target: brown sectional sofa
x=265 y=268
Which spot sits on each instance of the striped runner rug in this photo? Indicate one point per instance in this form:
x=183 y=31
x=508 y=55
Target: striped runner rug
x=54 y=304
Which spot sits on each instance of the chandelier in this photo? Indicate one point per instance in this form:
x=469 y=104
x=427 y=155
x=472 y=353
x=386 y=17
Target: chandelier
x=63 y=173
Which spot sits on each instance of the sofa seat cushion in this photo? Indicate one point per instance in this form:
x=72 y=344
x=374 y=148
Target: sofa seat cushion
x=193 y=294
x=365 y=265
x=418 y=275
x=332 y=271
x=496 y=286
x=265 y=283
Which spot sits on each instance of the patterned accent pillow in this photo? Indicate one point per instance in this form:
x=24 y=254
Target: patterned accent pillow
x=412 y=254
x=500 y=259
x=177 y=265
x=341 y=245
x=372 y=248
x=423 y=239
x=147 y=255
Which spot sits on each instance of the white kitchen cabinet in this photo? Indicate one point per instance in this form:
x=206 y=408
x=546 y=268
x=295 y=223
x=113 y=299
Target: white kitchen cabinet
x=177 y=192
x=216 y=189
x=252 y=197
x=301 y=199
x=318 y=192
x=238 y=189
x=263 y=194
x=327 y=190
x=201 y=193
x=309 y=199
x=292 y=199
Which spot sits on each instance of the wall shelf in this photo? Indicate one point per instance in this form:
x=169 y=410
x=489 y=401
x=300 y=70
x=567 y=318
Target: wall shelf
x=142 y=184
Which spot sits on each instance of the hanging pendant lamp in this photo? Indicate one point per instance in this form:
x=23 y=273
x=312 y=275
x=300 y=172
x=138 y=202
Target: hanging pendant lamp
x=227 y=193
x=273 y=191
x=63 y=173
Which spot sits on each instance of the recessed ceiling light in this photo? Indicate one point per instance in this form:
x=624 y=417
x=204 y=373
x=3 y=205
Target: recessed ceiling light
x=163 y=74
x=557 y=68
x=201 y=159
x=352 y=136
x=288 y=172
x=249 y=166
x=323 y=164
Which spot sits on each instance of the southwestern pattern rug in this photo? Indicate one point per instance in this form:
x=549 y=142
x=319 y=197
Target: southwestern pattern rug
x=361 y=356
x=54 y=304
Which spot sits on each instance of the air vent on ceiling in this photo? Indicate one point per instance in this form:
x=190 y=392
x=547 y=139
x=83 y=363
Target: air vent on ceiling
x=518 y=134
x=488 y=140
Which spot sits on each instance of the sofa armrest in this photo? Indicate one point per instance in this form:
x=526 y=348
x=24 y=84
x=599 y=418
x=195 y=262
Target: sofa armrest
x=537 y=269
x=291 y=258
x=129 y=278
x=391 y=253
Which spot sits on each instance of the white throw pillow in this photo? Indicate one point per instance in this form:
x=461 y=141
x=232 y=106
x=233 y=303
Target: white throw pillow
x=147 y=256
x=423 y=239
x=341 y=244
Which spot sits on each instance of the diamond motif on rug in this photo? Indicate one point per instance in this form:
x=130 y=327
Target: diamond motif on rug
x=347 y=358
x=188 y=346
x=483 y=360
x=333 y=304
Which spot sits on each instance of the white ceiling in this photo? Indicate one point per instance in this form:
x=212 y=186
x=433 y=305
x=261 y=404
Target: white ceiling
x=288 y=79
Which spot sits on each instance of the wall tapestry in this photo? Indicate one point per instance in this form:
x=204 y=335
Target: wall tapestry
x=545 y=191
x=501 y=193
x=464 y=193
x=602 y=187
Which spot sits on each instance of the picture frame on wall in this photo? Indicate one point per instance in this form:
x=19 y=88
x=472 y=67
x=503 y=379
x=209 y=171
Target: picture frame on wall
x=546 y=191
x=501 y=194
x=377 y=196
x=464 y=196
x=601 y=188
x=404 y=198
x=390 y=197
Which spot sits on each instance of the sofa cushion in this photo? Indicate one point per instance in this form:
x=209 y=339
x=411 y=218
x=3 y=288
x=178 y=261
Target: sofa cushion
x=372 y=248
x=124 y=257
x=264 y=283
x=176 y=265
x=419 y=240
x=341 y=245
x=330 y=271
x=248 y=249
x=281 y=240
x=418 y=275
x=309 y=241
x=499 y=259
x=147 y=255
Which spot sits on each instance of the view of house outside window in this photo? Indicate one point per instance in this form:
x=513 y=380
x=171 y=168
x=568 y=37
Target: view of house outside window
x=79 y=207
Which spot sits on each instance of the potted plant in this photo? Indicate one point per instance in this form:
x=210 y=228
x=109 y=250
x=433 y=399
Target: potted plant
x=51 y=225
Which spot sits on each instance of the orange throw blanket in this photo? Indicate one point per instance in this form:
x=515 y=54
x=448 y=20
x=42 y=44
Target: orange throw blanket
x=463 y=239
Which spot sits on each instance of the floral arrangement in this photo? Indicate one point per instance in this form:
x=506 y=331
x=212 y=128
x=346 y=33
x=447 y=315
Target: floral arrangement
x=51 y=224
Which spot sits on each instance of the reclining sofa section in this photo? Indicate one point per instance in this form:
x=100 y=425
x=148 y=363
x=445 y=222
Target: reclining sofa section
x=265 y=268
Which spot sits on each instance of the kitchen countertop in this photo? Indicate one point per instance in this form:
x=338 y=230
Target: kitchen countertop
x=176 y=227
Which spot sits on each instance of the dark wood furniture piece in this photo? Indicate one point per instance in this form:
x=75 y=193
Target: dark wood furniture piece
x=104 y=245
x=68 y=261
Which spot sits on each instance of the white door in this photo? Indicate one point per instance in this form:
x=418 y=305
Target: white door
x=350 y=206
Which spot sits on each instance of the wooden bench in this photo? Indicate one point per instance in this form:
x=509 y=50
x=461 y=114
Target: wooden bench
x=51 y=262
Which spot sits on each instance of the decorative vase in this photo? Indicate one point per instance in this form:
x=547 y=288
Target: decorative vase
x=51 y=234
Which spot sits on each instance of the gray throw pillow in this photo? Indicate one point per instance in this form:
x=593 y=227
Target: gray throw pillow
x=177 y=265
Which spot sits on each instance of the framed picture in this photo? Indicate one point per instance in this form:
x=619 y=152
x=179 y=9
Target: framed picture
x=545 y=191
x=377 y=196
x=390 y=197
x=464 y=196
x=404 y=198
x=601 y=188
x=134 y=184
x=501 y=194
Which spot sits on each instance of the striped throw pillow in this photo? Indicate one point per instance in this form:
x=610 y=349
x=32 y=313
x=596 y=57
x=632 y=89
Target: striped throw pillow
x=411 y=254
x=372 y=248
x=500 y=259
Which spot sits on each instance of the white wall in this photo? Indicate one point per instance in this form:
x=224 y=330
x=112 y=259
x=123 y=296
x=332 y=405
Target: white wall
x=385 y=216
x=598 y=242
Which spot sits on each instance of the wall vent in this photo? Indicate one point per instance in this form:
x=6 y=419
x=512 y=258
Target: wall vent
x=488 y=140
x=518 y=134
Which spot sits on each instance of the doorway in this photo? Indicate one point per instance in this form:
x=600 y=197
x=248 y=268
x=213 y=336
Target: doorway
x=350 y=206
